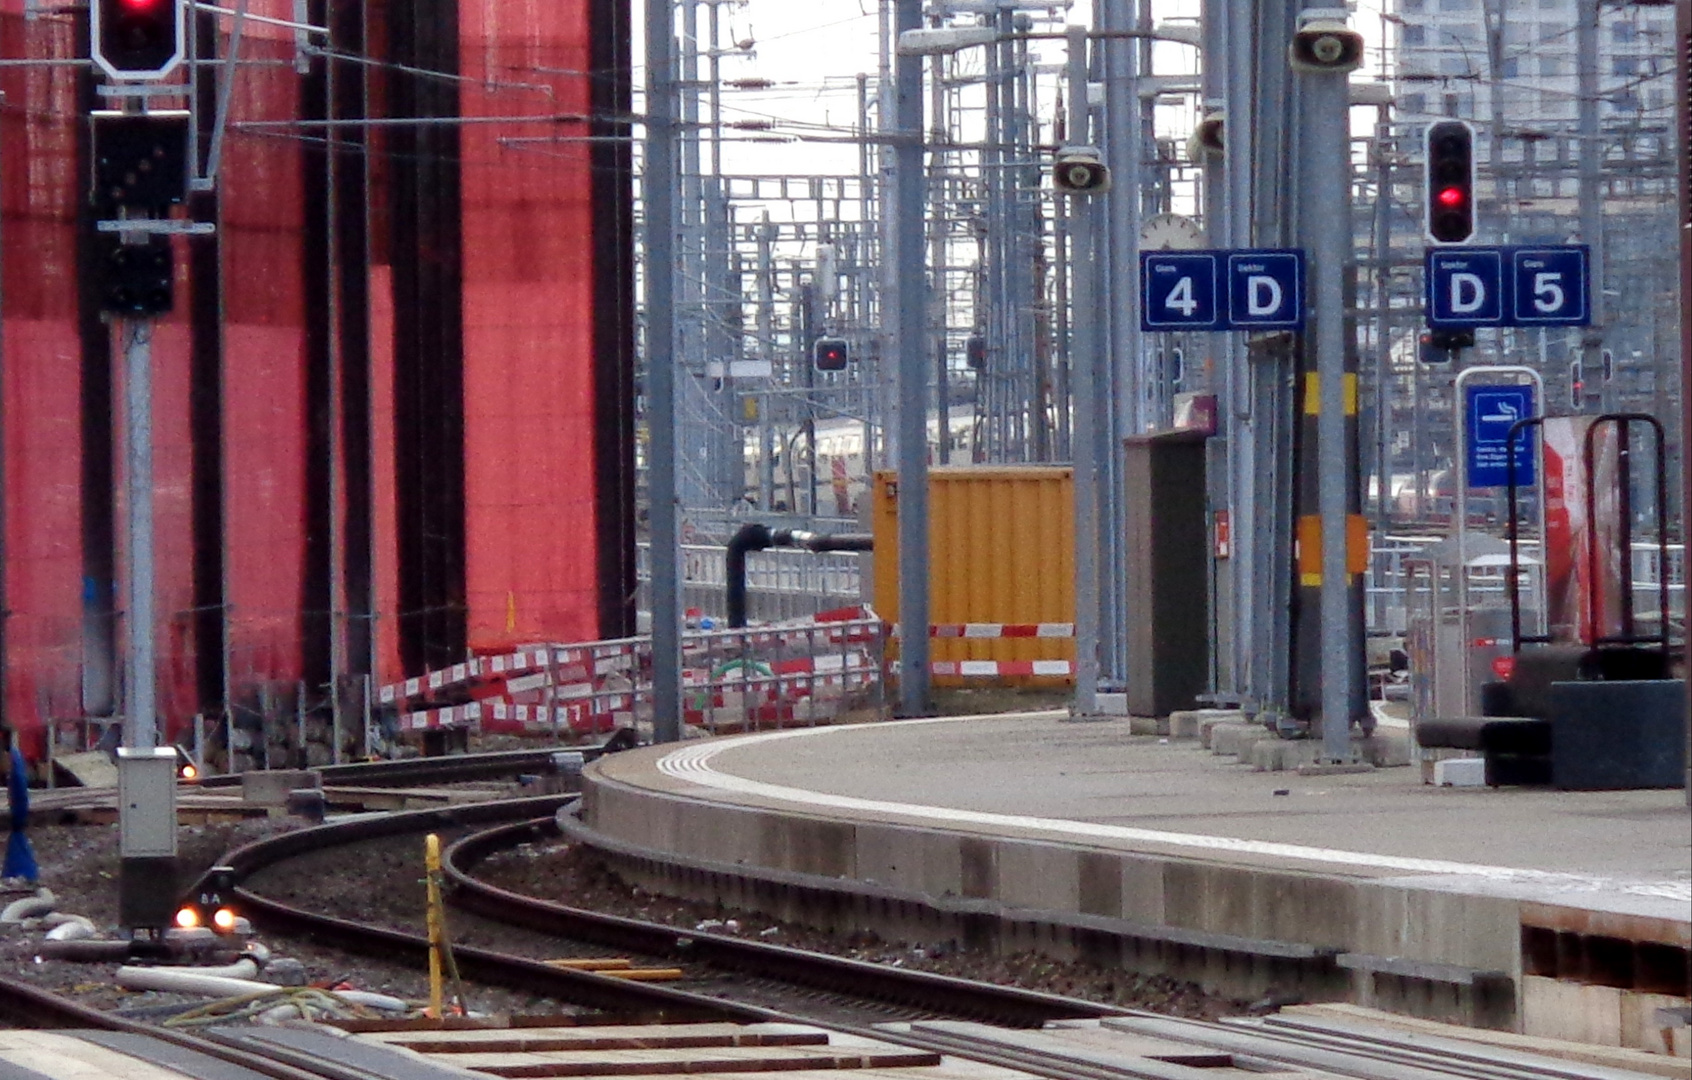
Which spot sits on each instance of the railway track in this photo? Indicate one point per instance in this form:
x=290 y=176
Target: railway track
x=629 y=1028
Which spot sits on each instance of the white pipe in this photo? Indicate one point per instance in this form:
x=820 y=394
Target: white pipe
x=71 y=931
x=191 y=981
x=29 y=907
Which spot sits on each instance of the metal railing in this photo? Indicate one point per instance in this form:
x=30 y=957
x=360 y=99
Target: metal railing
x=781 y=583
x=1387 y=589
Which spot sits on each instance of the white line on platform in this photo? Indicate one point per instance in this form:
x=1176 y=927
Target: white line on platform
x=693 y=763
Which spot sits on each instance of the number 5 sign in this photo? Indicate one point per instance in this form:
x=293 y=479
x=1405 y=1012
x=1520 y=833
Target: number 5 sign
x=1550 y=285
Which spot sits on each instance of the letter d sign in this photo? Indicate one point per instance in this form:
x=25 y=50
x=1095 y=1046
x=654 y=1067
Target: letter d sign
x=1263 y=296
x=1468 y=293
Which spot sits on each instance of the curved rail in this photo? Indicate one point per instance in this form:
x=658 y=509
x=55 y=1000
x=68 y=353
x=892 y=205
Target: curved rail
x=1008 y=1006
x=583 y=988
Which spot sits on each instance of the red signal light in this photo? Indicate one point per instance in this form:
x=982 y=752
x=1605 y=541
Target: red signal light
x=1450 y=197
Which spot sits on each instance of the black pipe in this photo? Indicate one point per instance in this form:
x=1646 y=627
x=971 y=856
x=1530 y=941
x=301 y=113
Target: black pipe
x=755 y=537
x=751 y=537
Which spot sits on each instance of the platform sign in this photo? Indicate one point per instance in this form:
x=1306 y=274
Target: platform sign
x=1545 y=285
x=1489 y=413
x=1551 y=286
x=1240 y=289
x=1265 y=289
x=1178 y=290
x=1465 y=287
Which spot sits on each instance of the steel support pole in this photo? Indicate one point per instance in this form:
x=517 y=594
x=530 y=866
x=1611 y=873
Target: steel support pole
x=1237 y=128
x=664 y=535
x=1086 y=383
x=1221 y=452
x=140 y=715
x=1123 y=387
x=912 y=344
x=1383 y=318
x=1325 y=141
x=1591 y=177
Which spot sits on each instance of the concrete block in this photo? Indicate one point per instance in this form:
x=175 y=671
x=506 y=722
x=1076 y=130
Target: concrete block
x=1111 y=704
x=1642 y=1026
x=1573 y=1012
x=1460 y=772
x=1184 y=725
x=1335 y=768
x=1385 y=750
x=1042 y=876
x=271 y=787
x=1209 y=723
x=1279 y=755
x=1148 y=725
x=909 y=858
x=1237 y=739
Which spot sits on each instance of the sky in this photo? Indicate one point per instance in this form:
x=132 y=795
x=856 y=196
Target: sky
x=813 y=51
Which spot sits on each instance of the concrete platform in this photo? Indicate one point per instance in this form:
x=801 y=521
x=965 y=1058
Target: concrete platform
x=1034 y=812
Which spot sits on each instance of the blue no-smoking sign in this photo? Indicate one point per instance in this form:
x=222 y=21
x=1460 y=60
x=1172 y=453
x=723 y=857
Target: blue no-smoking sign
x=1508 y=286
x=1489 y=413
x=1244 y=289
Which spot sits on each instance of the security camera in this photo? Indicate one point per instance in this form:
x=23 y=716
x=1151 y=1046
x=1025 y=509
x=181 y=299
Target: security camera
x=1080 y=170
x=1324 y=44
x=1206 y=141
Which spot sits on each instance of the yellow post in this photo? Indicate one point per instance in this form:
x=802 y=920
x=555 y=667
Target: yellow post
x=437 y=924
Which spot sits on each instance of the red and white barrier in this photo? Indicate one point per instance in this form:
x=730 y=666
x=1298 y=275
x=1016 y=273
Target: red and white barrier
x=993 y=631
x=988 y=669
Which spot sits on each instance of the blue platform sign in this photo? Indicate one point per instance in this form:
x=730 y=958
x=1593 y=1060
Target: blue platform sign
x=1551 y=286
x=1266 y=289
x=1489 y=414
x=1178 y=290
x=1547 y=285
x=1465 y=287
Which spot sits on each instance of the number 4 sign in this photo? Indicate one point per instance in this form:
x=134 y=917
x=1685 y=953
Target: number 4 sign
x=1244 y=289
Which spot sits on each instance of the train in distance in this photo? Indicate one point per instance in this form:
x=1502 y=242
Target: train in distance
x=839 y=472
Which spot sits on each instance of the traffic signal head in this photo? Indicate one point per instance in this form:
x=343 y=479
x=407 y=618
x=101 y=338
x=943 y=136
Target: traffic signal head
x=1450 y=182
x=137 y=39
x=1441 y=346
x=829 y=354
x=975 y=352
x=136 y=279
x=140 y=161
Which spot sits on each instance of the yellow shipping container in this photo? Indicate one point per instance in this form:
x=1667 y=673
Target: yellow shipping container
x=1001 y=550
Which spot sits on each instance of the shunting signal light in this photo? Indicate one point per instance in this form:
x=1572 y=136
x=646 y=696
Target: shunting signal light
x=212 y=904
x=830 y=354
x=137 y=39
x=1450 y=182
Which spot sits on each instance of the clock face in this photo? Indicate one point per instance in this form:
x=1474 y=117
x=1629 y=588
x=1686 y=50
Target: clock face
x=1170 y=232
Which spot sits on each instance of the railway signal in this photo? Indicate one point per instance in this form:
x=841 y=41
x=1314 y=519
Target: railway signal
x=1450 y=195
x=830 y=354
x=213 y=902
x=137 y=39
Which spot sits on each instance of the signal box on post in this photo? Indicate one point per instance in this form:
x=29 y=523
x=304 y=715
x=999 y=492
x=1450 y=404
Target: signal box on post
x=829 y=354
x=137 y=39
x=1450 y=196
